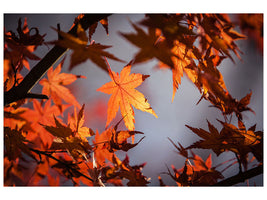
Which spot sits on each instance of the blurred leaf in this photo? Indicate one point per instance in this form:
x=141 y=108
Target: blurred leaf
x=81 y=51
x=58 y=131
x=149 y=47
x=15 y=143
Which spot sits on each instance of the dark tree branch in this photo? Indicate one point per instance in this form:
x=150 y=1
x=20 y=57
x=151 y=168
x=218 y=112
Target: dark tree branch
x=36 y=96
x=241 y=177
x=21 y=91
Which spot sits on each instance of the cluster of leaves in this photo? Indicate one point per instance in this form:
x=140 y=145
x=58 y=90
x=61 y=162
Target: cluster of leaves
x=18 y=49
x=65 y=149
x=68 y=151
x=237 y=140
x=196 y=44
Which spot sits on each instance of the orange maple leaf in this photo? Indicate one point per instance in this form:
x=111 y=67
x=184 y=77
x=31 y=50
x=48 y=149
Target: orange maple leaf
x=54 y=86
x=41 y=115
x=101 y=152
x=76 y=122
x=66 y=140
x=124 y=95
x=181 y=61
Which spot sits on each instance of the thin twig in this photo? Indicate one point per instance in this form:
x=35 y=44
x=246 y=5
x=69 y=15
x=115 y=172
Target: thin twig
x=61 y=162
x=239 y=163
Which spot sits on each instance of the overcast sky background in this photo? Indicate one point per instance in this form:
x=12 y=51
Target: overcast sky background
x=155 y=149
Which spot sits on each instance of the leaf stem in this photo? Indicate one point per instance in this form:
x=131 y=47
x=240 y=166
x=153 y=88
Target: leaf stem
x=239 y=163
x=110 y=72
x=61 y=162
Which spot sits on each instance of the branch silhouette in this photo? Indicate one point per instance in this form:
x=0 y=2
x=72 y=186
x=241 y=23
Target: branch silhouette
x=22 y=90
x=241 y=177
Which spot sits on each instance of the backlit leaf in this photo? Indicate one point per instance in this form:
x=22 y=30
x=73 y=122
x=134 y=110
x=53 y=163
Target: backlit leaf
x=124 y=96
x=76 y=124
x=54 y=86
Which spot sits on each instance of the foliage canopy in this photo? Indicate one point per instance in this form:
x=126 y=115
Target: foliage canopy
x=46 y=141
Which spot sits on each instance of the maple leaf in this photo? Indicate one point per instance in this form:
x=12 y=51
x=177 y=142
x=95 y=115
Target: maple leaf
x=216 y=30
x=149 y=47
x=66 y=141
x=76 y=147
x=181 y=150
x=42 y=114
x=200 y=174
x=242 y=141
x=200 y=164
x=123 y=170
x=212 y=139
x=118 y=140
x=171 y=25
x=204 y=173
x=213 y=87
x=13 y=174
x=208 y=79
x=252 y=24
x=15 y=143
x=25 y=37
x=11 y=73
x=112 y=140
x=223 y=100
x=180 y=40
x=41 y=172
x=93 y=27
x=20 y=48
x=101 y=152
x=54 y=86
x=242 y=105
x=124 y=95
x=76 y=124
x=58 y=131
x=181 y=61
x=14 y=120
x=133 y=173
x=231 y=138
x=81 y=51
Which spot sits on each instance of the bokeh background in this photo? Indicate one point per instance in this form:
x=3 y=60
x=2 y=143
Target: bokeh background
x=156 y=150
